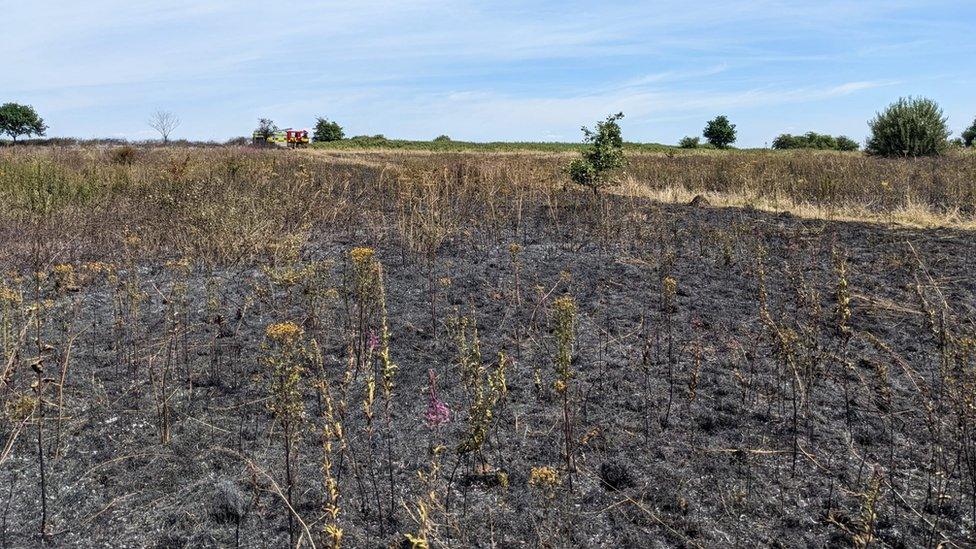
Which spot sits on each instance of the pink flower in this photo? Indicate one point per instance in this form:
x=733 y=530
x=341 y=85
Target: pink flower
x=374 y=341
x=437 y=414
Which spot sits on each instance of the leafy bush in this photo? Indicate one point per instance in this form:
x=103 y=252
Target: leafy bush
x=845 y=143
x=327 y=131
x=688 y=142
x=237 y=142
x=814 y=140
x=603 y=154
x=442 y=139
x=909 y=127
x=720 y=132
x=969 y=135
x=370 y=141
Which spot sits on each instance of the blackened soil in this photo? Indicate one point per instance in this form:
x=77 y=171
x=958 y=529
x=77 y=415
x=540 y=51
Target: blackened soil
x=703 y=420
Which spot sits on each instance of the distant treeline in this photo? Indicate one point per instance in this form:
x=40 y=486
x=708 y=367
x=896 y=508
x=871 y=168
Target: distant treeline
x=116 y=142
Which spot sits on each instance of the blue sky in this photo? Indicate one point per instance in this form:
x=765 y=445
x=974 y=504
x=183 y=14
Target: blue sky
x=483 y=70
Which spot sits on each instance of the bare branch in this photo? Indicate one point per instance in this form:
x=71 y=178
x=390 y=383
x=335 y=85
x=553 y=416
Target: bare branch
x=164 y=122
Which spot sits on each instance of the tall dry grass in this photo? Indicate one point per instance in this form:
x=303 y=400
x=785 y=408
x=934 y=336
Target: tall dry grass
x=232 y=204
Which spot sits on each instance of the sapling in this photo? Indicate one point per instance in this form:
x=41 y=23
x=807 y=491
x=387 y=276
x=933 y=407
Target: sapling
x=601 y=157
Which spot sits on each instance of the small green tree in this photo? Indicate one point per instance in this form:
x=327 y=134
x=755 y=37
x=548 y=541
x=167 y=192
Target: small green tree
x=969 y=135
x=688 y=142
x=720 y=132
x=603 y=154
x=785 y=141
x=327 y=131
x=912 y=126
x=442 y=139
x=266 y=128
x=17 y=120
x=845 y=143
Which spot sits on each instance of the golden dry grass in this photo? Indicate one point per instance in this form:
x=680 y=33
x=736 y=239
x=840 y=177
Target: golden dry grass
x=233 y=203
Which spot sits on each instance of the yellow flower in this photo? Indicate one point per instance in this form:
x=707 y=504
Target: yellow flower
x=544 y=477
x=284 y=332
x=99 y=267
x=8 y=295
x=362 y=254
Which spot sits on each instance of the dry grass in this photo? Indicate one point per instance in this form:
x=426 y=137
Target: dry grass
x=910 y=213
x=229 y=203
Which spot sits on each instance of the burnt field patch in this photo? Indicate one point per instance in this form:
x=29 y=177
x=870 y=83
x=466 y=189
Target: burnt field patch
x=277 y=347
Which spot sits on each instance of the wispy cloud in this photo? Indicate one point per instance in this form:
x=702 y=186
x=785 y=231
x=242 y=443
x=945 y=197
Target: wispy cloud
x=505 y=69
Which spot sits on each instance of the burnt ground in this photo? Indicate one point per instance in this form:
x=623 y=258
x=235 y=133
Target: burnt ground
x=882 y=445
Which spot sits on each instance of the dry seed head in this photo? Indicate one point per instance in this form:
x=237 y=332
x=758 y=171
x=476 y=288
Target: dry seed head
x=669 y=287
x=565 y=313
x=565 y=308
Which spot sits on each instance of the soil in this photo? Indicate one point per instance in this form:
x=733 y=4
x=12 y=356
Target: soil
x=684 y=430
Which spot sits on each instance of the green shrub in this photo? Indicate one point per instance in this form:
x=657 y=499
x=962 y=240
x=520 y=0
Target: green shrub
x=326 y=131
x=688 y=142
x=814 y=140
x=442 y=139
x=603 y=154
x=969 y=135
x=720 y=132
x=845 y=143
x=909 y=127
